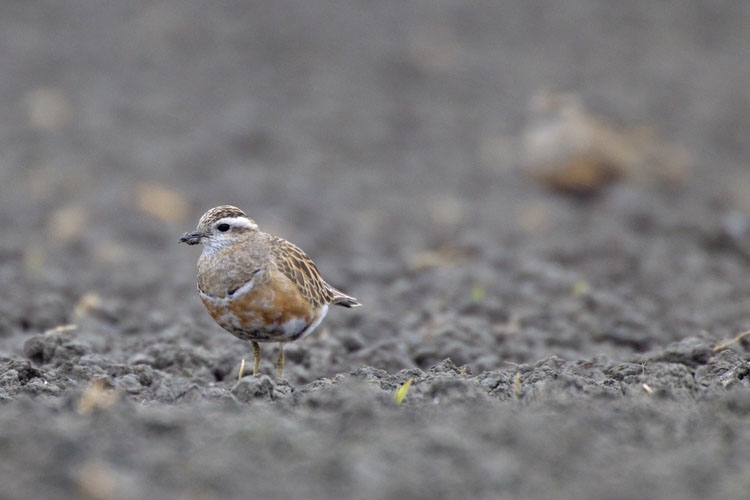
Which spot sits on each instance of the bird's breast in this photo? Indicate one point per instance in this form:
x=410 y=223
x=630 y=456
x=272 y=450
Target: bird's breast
x=269 y=309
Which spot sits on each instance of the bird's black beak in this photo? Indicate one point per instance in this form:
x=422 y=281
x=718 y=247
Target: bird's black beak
x=192 y=238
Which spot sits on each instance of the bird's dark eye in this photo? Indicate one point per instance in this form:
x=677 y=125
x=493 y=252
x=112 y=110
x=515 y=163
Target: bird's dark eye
x=223 y=227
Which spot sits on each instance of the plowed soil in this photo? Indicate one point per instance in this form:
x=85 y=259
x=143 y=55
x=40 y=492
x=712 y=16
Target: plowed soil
x=558 y=346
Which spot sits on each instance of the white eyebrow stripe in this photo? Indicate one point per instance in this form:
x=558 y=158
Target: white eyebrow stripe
x=238 y=222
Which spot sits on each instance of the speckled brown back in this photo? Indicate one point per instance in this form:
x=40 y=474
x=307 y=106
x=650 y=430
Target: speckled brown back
x=301 y=270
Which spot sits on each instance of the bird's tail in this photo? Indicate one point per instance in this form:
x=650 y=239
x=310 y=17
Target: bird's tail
x=342 y=299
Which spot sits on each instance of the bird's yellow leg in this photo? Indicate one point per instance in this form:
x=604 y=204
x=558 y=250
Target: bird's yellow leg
x=256 y=355
x=280 y=360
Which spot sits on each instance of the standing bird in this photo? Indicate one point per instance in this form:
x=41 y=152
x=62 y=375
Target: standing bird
x=257 y=286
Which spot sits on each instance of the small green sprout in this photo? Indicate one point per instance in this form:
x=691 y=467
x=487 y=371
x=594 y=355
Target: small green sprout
x=402 y=391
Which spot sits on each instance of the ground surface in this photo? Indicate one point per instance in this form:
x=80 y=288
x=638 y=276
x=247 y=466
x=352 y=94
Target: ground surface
x=381 y=137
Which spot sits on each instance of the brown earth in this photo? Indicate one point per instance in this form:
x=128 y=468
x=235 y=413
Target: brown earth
x=560 y=347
